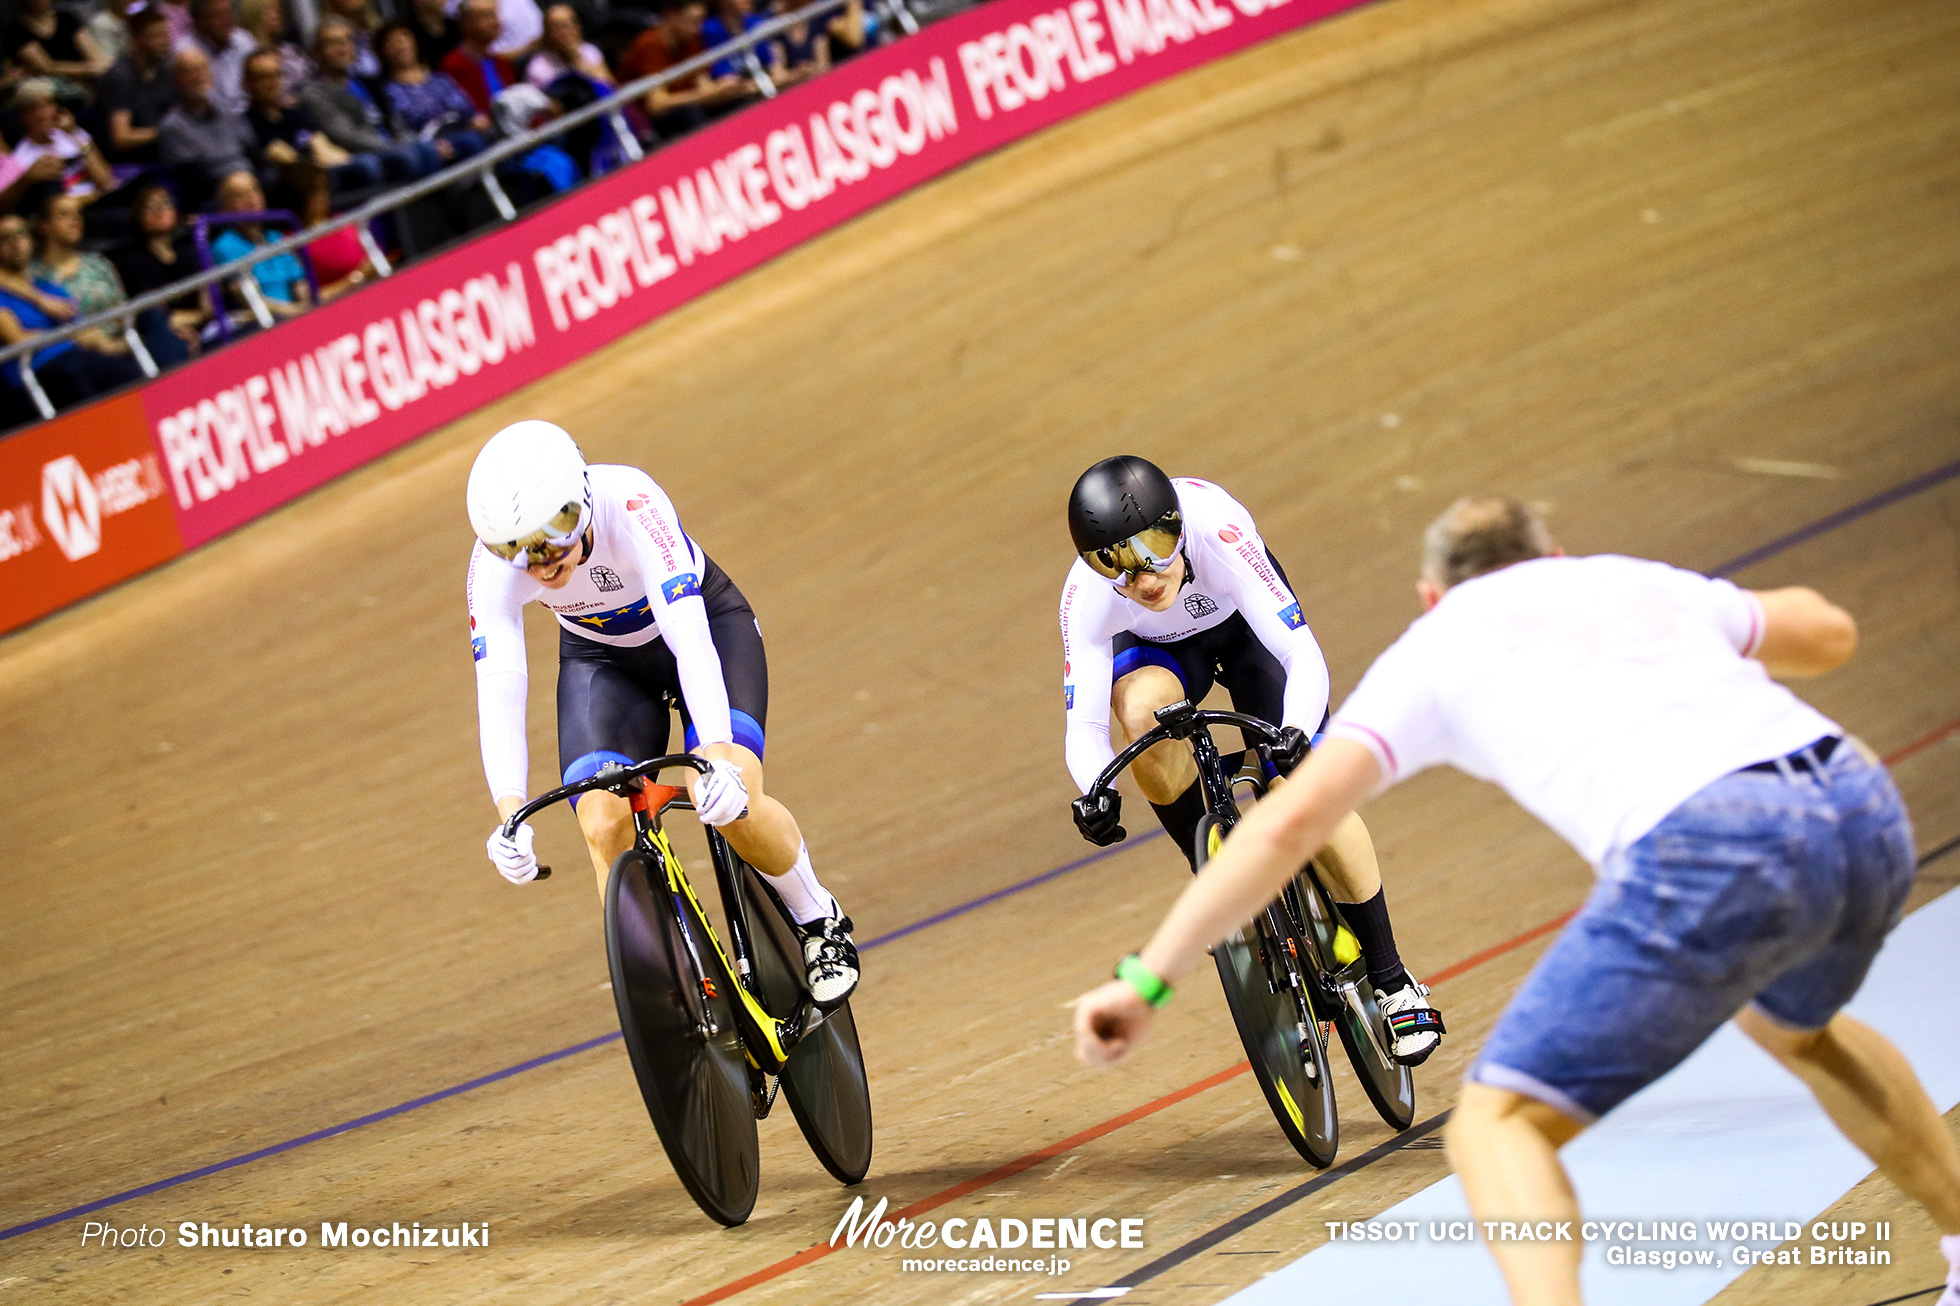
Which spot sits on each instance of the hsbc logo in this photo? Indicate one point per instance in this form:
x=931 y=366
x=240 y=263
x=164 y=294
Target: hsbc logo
x=74 y=505
x=70 y=507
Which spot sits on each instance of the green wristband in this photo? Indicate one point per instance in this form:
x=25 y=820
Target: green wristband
x=1133 y=972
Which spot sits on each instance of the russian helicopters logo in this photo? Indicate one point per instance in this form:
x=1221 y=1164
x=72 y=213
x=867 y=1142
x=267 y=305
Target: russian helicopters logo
x=74 y=503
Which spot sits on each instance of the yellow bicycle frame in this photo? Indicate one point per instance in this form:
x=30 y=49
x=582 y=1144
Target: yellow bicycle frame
x=771 y=1029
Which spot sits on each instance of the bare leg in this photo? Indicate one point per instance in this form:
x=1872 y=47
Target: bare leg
x=1504 y=1146
x=1166 y=771
x=1868 y=1089
x=1348 y=863
x=607 y=823
x=767 y=838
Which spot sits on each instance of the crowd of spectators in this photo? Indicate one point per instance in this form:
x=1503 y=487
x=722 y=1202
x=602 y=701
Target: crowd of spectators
x=144 y=140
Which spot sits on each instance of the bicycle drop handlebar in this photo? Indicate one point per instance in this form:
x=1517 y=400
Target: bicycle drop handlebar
x=621 y=781
x=1180 y=726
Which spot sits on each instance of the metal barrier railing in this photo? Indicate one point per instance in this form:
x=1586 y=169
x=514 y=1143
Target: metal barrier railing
x=479 y=168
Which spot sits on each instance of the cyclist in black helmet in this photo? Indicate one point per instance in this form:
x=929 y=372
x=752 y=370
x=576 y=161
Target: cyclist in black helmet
x=1173 y=591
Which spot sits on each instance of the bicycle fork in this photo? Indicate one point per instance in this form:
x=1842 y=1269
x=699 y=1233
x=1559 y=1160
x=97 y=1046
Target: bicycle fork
x=1283 y=962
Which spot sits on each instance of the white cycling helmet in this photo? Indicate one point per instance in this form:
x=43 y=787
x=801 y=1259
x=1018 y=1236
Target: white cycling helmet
x=528 y=496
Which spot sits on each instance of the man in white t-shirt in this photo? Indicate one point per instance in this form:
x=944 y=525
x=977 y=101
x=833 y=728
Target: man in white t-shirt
x=1751 y=858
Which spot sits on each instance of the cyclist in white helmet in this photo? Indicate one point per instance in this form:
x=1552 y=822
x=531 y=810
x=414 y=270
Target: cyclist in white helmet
x=645 y=620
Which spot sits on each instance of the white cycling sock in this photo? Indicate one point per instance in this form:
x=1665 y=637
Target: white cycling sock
x=802 y=892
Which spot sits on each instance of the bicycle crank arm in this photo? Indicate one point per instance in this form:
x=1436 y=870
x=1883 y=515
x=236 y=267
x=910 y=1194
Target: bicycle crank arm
x=762 y=1096
x=1351 y=996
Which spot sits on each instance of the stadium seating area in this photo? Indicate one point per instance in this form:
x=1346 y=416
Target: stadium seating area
x=149 y=140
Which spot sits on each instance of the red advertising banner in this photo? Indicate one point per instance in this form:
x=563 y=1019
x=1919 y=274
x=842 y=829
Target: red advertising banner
x=82 y=506
x=266 y=420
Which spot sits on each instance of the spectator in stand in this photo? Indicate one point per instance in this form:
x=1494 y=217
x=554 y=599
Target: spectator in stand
x=177 y=13
x=474 y=64
x=49 y=129
x=160 y=256
x=428 y=103
x=436 y=33
x=852 y=31
x=17 y=181
x=800 y=52
x=136 y=93
x=265 y=20
x=522 y=27
x=296 y=160
x=109 y=29
x=89 y=279
x=203 y=142
x=340 y=263
x=573 y=74
x=683 y=105
x=565 y=52
x=730 y=19
x=42 y=41
x=70 y=371
x=216 y=34
x=361 y=23
x=282 y=278
x=85 y=277
x=343 y=107
x=484 y=76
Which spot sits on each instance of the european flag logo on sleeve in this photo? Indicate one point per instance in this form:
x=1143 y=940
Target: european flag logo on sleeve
x=681 y=587
x=480 y=647
x=1290 y=614
x=1068 y=697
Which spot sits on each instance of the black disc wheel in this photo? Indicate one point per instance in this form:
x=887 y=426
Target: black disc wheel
x=1389 y=1084
x=676 y=1009
x=824 y=1080
x=1277 y=1025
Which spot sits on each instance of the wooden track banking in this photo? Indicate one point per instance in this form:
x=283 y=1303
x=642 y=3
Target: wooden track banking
x=1686 y=274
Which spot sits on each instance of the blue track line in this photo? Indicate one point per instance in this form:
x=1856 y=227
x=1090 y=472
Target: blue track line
x=1012 y=889
x=372 y=1118
x=1843 y=516
x=376 y=1117
x=1863 y=508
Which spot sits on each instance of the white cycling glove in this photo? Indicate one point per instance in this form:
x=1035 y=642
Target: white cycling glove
x=513 y=857
x=720 y=796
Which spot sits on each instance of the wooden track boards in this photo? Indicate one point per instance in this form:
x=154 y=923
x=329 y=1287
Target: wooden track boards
x=1601 y=255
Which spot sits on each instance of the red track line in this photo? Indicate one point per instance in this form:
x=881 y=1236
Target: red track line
x=1509 y=945
x=1135 y=1114
x=1922 y=743
x=1014 y=1167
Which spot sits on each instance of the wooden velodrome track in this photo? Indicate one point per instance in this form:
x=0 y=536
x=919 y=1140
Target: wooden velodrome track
x=1687 y=274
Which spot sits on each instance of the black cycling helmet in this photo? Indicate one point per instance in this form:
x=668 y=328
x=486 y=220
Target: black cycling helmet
x=1124 y=518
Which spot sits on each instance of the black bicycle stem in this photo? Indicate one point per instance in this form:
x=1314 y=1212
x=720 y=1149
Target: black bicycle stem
x=1180 y=721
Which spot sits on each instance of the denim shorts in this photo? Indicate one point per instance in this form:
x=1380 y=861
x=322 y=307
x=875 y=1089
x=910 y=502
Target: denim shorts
x=1771 y=887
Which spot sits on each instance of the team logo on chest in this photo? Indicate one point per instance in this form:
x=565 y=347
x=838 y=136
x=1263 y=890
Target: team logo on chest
x=1199 y=605
x=606 y=579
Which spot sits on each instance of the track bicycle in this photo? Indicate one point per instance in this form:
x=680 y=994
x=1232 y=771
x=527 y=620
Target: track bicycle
x=715 y=1031
x=1297 y=969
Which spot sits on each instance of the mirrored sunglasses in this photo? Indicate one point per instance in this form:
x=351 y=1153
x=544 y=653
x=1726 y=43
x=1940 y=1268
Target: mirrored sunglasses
x=1153 y=550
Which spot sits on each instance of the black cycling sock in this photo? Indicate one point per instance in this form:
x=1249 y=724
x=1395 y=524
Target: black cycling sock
x=1369 y=921
x=1180 y=819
